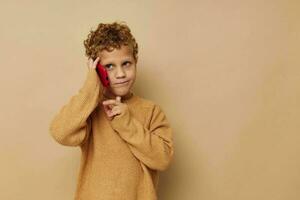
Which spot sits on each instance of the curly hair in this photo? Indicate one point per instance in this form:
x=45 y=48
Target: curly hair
x=108 y=37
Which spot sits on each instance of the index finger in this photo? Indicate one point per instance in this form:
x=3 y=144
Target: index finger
x=96 y=61
x=109 y=102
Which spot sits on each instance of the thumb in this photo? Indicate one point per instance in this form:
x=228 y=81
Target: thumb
x=118 y=99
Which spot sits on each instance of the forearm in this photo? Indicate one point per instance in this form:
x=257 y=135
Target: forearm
x=70 y=126
x=154 y=146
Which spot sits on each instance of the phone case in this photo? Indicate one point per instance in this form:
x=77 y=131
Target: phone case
x=102 y=74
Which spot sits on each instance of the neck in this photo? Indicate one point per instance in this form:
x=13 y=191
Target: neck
x=109 y=95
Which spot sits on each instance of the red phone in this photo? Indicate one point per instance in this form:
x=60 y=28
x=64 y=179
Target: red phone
x=102 y=74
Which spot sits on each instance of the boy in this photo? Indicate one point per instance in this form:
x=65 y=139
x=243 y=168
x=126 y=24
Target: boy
x=125 y=140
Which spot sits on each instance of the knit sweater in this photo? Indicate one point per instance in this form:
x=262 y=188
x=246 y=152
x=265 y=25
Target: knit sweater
x=120 y=158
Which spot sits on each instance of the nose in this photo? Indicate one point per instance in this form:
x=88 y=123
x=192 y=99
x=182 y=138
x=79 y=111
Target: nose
x=120 y=73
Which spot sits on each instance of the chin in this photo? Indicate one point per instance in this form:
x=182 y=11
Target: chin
x=121 y=92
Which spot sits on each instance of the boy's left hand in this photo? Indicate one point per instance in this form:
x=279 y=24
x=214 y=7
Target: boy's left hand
x=114 y=107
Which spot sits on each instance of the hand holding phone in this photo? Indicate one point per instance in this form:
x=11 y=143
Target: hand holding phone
x=102 y=74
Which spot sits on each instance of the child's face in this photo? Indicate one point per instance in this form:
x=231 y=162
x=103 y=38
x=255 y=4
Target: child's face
x=121 y=67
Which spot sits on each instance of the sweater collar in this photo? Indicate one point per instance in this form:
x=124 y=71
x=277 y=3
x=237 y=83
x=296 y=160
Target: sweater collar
x=130 y=98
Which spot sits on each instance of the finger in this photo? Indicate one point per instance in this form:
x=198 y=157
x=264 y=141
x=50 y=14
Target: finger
x=112 y=113
x=118 y=99
x=109 y=115
x=110 y=102
x=108 y=108
x=108 y=112
x=105 y=108
x=116 y=110
x=96 y=62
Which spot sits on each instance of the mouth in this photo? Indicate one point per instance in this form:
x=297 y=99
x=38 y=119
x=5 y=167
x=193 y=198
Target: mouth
x=122 y=83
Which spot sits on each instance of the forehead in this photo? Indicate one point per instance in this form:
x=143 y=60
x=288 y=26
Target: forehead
x=116 y=54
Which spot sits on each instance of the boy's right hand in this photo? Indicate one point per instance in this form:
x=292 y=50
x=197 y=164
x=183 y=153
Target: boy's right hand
x=92 y=64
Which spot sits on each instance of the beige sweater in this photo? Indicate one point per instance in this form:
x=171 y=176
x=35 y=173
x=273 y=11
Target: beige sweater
x=120 y=159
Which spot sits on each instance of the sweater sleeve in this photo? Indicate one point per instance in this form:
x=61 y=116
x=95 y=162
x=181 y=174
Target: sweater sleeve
x=153 y=146
x=72 y=124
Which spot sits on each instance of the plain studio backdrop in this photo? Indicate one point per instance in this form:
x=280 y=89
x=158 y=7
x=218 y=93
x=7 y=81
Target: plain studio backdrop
x=226 y=73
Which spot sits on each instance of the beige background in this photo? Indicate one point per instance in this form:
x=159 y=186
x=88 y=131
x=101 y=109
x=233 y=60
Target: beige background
x=225 y=72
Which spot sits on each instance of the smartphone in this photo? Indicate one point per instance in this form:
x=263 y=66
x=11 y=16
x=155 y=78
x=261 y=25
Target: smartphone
x=102 y=74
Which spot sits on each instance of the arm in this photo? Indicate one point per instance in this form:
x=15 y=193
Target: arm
x=71 y=125
x=153 y=146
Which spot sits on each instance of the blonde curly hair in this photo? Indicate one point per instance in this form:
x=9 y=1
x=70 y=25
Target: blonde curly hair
x=108 y=37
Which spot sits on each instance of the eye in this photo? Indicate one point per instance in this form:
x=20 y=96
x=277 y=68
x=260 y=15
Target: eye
x=127 y=63
x=108 y=66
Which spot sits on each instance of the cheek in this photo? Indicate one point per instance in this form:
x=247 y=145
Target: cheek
x=132 y=73
x=109 y=74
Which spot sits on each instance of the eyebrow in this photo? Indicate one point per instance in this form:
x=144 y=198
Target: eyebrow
x=124 y=60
